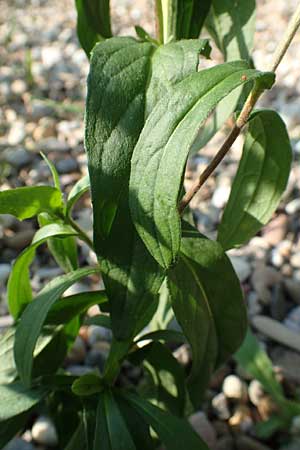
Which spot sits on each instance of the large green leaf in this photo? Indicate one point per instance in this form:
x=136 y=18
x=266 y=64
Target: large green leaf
x=167 y=376
x=111 y=430
x=161 y=152
x=208 y=304
x=26 y=202
x=129 y=74
x=175 y=433
x=191 y=15
x=260 y=181
x=28 y=329
x=93 y=22
x=232 y=25
x=17 y=399
x=19 y=289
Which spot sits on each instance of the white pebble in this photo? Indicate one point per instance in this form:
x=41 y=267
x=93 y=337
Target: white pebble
x=234 y=388
x=44 y=432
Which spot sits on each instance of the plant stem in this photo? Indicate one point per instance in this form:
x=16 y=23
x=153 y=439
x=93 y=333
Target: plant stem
x=81 y=234
x=245 y=113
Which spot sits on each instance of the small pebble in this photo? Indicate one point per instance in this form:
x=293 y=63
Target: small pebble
x=220 y=406
x=241 y=418
x=44 y=432
x=292 y=321
x=97 y=333
x=295 y=260
x=234 y=388
x=255 y=392
x=18 y=157
x=293 y=206
x=67 y=165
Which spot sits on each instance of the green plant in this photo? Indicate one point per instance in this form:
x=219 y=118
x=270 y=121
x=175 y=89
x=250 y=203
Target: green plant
x=146 y=103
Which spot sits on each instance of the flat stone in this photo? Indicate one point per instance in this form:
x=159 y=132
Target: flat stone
x=18 y=157
x=67 y=165
x=204 y=428
x=276 y=230
x=241 y=266
x=276 y=331
x=292 y=321
x=18 y=444
x=263 y=279
x=292 y=288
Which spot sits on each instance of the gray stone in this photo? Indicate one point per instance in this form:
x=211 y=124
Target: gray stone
x=263 y=279
x=67 y=165
x=40 y=109
x=220 y=406
x=18 y=444
x=277 y=331
x=44 y=432
x=241 y=266
x=95 y=358
x=18 y=157
x=96 y=334
x=79 y=370
x=78 y=351
x=292 y=288
x=220 y=196
x=204 y=428
x=292 y=321
x=4 y=272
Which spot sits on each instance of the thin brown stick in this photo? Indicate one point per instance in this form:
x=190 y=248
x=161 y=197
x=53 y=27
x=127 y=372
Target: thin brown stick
x=245 y=113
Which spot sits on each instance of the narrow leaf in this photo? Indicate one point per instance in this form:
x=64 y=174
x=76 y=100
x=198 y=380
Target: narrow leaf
x=162 y=335
x=111 y=430
x=64 y=251
x=161 y=152
x=93 y=22
x=255 y=361
x=191 y=15
x=53 y=171
x=19 y=289
x=209 y=306
x=28 y=330
x=260 y=181
x=68 y=307
x=175 y=433
x=26 y=202
x=77 y=191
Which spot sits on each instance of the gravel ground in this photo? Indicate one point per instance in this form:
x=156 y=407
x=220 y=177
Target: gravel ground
x=42 y=91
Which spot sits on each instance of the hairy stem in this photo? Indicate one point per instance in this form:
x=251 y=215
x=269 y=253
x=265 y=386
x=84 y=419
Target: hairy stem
x=245 y=113
x=81 y=234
